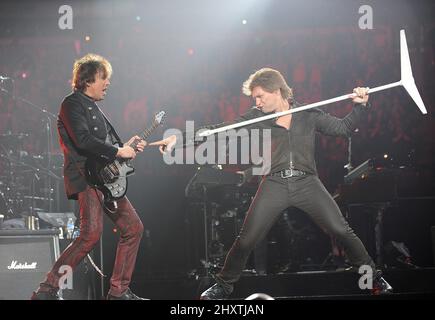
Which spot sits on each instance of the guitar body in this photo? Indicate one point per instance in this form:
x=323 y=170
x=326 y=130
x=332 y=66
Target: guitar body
x=109 y=177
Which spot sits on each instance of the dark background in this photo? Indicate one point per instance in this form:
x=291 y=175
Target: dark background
x=190 y=58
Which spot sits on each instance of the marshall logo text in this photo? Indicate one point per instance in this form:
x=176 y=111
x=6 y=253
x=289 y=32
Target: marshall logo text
x=20 y=266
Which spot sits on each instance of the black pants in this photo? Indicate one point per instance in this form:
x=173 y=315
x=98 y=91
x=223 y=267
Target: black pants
x=276 y=194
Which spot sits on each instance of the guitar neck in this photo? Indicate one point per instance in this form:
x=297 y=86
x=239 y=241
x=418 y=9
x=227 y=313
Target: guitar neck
x=145 y=134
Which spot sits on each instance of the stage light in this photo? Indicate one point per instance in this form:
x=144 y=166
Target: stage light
x=138 y=18
x=244 y=21
x=87 y=38
x=385 y=156
x=24 y=75
x=190 y=52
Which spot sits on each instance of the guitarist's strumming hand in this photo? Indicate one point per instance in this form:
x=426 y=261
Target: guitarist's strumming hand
x=126 y=152
x=165 y=145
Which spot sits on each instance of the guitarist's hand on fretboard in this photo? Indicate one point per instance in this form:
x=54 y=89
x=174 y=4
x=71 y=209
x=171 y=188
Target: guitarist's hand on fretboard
x=136 y=143
x=141 y=145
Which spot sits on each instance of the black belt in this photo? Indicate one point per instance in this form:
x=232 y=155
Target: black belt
x=288 y=173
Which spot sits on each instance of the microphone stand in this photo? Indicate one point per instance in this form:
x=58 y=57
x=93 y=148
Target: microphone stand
x=349 y=166
x=48 y=127
x=49 y=189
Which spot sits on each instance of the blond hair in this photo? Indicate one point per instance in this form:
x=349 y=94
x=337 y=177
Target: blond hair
x=269 y=80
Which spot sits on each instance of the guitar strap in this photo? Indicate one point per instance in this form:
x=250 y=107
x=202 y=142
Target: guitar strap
x=112 y=136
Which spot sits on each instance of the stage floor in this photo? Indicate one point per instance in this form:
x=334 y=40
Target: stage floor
x=407 y=284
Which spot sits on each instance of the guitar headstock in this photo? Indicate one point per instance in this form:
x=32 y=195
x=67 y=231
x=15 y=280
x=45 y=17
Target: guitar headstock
x=159 y=117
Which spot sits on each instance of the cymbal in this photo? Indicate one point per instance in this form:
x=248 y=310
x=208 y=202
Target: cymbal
x=2 y=135
x=13 y=137
x=38 y=198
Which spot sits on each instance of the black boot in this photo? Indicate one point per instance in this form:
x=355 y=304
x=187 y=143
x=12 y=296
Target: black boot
x=380 y=285
x=219 y=291
x=46 y=292
x=127 y=295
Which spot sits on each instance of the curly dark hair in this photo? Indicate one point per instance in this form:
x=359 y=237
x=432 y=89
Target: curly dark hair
x=87 y=67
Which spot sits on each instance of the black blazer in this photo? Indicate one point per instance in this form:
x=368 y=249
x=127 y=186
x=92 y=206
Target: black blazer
x=83 y=130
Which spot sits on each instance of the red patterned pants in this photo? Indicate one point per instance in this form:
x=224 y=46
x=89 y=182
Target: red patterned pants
x=91 y=226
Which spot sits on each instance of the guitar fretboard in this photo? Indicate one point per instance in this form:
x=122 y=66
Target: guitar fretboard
x=145 y=134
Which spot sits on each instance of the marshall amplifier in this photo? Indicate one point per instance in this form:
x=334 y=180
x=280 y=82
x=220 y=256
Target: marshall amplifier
x=25 y=258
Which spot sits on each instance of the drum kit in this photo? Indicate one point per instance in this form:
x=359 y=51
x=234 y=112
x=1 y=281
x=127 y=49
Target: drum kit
x=29 y=181
x=25 y=182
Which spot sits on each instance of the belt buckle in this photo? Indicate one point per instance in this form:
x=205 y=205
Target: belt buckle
x=291 y=173
x=284 y=174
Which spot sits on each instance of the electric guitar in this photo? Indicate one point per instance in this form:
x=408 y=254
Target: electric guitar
x=110 y=177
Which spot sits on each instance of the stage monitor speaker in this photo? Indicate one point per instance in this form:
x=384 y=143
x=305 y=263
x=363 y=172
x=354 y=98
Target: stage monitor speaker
x=25 y=258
